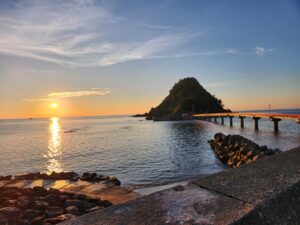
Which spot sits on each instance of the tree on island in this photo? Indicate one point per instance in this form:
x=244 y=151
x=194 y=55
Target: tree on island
x=186 y=97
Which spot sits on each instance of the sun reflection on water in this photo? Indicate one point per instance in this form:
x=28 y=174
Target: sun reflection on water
x=54 y=163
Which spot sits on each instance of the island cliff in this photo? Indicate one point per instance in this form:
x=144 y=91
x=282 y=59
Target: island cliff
x=185 y=98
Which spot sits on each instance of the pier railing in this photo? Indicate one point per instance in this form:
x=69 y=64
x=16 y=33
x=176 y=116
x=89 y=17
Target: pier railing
x=275 y=117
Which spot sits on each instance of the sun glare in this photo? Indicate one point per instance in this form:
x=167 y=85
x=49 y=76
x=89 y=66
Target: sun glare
x=54 y=105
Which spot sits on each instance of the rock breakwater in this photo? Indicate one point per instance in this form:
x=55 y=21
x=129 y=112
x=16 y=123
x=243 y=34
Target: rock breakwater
x=235 y=150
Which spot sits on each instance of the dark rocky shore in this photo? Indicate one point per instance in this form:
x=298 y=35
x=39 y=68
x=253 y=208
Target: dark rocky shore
x=235 y=150
x=41 y=206
x=91 y=177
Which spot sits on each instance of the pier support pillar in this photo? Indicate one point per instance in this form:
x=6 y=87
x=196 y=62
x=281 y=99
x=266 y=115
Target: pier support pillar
x=216 y=119
x=222 y=120
x=209 y=119
x=230 y=120
x=256 y=122
x=276 y=120
x=242 y=121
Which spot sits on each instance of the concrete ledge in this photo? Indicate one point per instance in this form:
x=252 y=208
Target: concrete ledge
x=283 y=208
x=254 y=183
x=179 y=205
x=222 y=198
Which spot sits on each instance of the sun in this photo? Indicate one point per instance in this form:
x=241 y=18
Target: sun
x=53 y=105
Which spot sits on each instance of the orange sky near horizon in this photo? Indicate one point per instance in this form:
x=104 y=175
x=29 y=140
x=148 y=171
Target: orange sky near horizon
x=110 y=58
x=87 y=107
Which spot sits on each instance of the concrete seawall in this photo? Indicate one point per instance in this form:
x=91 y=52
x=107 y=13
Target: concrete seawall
x=264 y=192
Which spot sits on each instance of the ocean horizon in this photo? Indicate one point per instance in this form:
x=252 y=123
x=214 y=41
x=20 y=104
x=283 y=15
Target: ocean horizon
x=283 y=111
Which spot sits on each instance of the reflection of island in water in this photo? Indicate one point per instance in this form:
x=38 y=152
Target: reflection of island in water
x=54 y=147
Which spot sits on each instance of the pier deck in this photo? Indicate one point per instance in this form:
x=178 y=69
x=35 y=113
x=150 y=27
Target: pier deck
x=275 y=117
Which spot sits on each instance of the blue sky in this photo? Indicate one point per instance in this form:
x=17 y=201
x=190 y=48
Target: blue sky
x=115 y=57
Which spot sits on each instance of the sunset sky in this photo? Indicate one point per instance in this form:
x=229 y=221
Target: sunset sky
x=122 y=57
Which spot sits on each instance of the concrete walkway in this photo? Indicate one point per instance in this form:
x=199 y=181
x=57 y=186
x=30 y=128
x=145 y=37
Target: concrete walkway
x=222 y=198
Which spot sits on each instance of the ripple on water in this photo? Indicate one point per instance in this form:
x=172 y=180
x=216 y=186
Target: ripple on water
x=137 y=152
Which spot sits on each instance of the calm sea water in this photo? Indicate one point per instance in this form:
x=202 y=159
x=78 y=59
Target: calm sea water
x=134 y=150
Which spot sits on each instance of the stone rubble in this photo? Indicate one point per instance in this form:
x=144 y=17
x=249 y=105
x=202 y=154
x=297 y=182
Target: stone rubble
x=39 y=206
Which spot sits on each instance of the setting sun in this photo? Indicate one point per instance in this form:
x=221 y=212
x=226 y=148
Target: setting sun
x=54 y=105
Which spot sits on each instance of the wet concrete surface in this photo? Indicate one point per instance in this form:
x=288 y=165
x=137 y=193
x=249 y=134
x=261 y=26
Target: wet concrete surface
x=256 y=182
x=179 y=205
x=221 y=198
x=282 y=208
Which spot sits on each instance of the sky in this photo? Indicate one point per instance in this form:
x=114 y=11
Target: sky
x=122 y=57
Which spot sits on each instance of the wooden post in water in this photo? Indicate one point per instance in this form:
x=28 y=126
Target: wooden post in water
x=242 y=121
x=216 y=119
x=256 y=122
x=209 y=119
x=275 y=120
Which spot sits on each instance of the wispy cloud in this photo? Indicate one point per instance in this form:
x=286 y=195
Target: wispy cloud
x=86 y=33
x=71 y=94
x=247 y=51
x=261 y=50
x=35 y=99
x=225 y=51
x=81 y=34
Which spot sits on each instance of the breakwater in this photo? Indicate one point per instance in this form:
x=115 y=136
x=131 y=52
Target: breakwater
x=235 y=150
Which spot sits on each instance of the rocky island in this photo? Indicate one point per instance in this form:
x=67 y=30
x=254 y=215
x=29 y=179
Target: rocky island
x=185 y=98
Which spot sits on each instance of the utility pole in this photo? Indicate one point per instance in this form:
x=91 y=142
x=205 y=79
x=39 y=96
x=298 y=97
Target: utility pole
x=269 y=109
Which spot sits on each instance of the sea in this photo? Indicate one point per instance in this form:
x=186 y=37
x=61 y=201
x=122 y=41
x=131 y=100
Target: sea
x=136 y=151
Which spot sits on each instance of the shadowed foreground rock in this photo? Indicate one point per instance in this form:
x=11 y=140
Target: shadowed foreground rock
x=41 y=206
x=38 y=198
x=90 y=177
x=220 y=199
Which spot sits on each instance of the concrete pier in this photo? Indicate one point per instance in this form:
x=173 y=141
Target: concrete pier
x=256 y=122
x=230 y=120
x=222 y=120
x=256 y=116
x=242 y=121
x=276 y=120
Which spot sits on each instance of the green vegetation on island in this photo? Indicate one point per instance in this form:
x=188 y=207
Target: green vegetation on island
x=186 y=97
